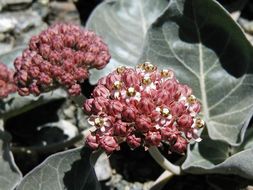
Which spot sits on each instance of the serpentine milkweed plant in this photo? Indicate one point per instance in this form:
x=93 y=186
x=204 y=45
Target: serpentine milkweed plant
x=142 y=105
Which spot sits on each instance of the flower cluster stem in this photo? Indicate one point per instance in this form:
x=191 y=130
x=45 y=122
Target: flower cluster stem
x=162 y=180
x=163 y=162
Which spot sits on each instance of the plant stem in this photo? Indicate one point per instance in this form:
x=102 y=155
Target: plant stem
x=162 y=180
x=163 y=162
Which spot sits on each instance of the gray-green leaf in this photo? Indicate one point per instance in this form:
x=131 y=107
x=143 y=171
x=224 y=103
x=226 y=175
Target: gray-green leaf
x=9 y=172
x=211 y=156
x=208 y=51
x=123 y=25
x=14 y=104
x=65 y=170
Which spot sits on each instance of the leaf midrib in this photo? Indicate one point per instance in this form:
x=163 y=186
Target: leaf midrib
x=201 y=71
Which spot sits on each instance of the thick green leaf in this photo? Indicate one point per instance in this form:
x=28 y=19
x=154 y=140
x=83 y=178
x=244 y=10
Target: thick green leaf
x=66 y=170
x=123 y=25
x=15 y=104
x=209 y=52
x=9 y=173
x=211 y=156
x=231 y=182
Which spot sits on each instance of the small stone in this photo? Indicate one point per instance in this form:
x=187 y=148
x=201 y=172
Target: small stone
x=63 y=12
x=15 y=4
x=102 y=168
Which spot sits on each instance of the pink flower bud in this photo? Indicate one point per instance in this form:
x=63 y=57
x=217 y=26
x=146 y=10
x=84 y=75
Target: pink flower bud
x=170 y=133
x=111 y=79
x=184 y=90
x=74 y=90
x=129 y=113
x=69 y=40
x=81 y=74
x=130 y=78
x=22 y=78
x=185 y=121
x=120 y=128
x=143 y=123
x=45 y=51
x=133 y=141
x=87 y=106
x=23 y=91
x=99 y=104
x=92 y=141
x=7 y=85
x=57 y=43
x=101 y=90
x=34 y=71
x=68 y=80
x=109 y=144
x=115 y=108
x=146 y=106
x=163 y=97
x=196 y=107
x=180 y=146
x=34 y=41
x=34 y=89
x=45 y=79
x=177 y=108
x=153 y=138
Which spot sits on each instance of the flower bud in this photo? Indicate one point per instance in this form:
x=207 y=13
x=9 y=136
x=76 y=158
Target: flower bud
x=153 y=138
x=99 y=104
x=143 y=123
x=92 y=141
x=120 y=128
x=74 y=90
x=185 y=121
x=177 y=109
x=102 y=91
x=109 y=144
x=115 y=108
x=87 y=106
x=129 y=113
x=170 y=133
x=7 y=85
x=130 y=78
x=146 y=106
x=133 y=141
x=180 y=146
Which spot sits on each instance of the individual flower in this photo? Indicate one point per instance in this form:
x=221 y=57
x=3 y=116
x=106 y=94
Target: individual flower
x=142 y=107
x=7 y=84
x=59 y=56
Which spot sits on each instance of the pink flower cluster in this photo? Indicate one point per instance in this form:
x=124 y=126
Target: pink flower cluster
x=59 y=56
x=144 y=107
x=7 y=84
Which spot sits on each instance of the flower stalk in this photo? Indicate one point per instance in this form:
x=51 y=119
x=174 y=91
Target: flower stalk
x=163 y=162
